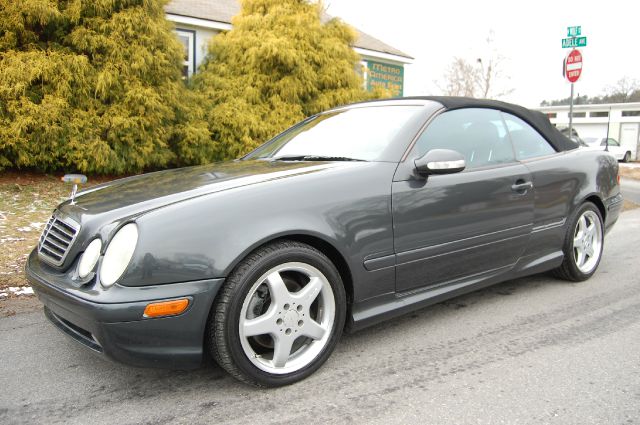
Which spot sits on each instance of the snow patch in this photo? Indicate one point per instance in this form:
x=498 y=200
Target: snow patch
x=10 y=239
x=21 y=290
x=32 y=226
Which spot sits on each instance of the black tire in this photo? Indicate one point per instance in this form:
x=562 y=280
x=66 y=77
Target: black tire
x=224 y=341
x=627 y=157
x=568 y=270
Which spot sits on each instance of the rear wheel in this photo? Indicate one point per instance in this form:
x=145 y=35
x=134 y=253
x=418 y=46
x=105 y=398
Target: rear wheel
x=279 y=315
x=583 y=244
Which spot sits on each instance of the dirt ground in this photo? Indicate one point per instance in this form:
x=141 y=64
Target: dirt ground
x=630 y=173
x=19 y=305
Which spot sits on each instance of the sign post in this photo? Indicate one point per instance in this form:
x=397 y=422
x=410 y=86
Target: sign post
x=571 y=114
x=572 y=66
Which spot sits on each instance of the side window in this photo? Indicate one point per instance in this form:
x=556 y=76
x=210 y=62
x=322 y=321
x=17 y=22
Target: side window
x=613 y=142
x=478 y=134
x=527 y=142
x=187 y=39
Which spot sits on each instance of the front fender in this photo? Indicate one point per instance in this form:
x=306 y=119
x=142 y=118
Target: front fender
x=206 y=237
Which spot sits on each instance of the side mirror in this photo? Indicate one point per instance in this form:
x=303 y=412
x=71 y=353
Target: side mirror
x=440 y=161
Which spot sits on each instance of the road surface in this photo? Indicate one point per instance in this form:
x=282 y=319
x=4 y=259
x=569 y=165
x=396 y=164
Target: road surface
x=630 y=189
x=529 y=351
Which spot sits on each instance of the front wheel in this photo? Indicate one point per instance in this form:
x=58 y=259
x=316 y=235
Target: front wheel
x=279 y=315
x=584 y=241
x=627 y=157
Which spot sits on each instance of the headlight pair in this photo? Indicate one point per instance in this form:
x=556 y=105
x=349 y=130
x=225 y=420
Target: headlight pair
x=116 y=258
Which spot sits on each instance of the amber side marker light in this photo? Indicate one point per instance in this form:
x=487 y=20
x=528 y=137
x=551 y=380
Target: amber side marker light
x=618 y=179
x=166 y=308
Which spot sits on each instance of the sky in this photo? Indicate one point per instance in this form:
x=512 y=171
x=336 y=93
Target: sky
x=526 y=34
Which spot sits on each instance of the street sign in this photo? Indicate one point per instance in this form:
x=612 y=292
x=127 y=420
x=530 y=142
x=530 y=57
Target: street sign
x=573 y=42
x=574 y=31
x=573 y=66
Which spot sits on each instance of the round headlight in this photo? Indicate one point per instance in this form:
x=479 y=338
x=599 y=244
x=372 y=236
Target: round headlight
x=118 y=254
x=89 y=258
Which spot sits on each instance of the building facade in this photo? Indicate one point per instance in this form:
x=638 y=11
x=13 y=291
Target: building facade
x=197 y=21
x=620 y=121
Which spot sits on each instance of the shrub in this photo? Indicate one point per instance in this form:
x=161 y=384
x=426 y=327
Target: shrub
x=95 y=86
x=279 y=64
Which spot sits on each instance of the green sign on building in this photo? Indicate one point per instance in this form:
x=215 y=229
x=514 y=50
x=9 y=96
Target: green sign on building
x=387 y=76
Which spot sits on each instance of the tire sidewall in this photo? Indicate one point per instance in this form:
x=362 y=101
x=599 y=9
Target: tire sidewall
x=568 y=245
x=245 y=283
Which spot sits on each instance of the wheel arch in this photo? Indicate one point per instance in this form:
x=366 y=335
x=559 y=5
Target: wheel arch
x=317 y=242
x=595 y=199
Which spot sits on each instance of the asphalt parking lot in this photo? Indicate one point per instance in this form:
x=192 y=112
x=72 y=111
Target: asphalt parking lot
x=534 y=350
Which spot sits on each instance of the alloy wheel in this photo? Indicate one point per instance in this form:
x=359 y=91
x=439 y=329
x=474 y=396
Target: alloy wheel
x=587 y=241
x=287 y=318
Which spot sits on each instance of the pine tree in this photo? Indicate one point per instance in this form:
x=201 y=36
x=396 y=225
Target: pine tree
x=94 y=85
x=279 y=64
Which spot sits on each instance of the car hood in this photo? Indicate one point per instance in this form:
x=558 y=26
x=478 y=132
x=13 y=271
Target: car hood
x=138 y=194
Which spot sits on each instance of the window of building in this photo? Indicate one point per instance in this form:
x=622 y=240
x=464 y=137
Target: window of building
x=527 y=142
x=478 y=134
x=579 y=114
x=631 y=113
x=599 y=114
x=188 y=40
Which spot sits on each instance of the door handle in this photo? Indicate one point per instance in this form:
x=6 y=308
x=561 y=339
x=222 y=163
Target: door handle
x=521 y=186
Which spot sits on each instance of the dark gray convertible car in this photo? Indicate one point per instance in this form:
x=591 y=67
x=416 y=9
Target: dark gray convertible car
x=353 y=216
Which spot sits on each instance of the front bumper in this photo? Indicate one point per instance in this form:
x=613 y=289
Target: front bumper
x=111 y=322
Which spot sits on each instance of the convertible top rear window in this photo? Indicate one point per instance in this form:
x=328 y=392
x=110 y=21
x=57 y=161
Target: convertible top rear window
x=362 y=133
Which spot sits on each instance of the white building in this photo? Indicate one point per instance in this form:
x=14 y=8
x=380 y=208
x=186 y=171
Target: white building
x=197 y=21
x=620 y=121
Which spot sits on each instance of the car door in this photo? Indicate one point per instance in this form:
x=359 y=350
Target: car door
x=553 y=186
x=474 y=223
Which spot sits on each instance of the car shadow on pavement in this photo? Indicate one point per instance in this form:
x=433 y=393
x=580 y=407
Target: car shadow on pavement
x=489 y=297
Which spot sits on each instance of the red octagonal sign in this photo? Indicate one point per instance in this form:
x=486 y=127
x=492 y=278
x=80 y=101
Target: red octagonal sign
x=573 y=66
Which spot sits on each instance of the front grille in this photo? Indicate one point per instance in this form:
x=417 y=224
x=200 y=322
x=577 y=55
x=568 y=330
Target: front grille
x=56 y=239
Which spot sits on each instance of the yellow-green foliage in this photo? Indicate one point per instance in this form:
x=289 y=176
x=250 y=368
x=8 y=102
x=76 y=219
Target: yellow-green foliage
x=277 y=65
x=94 y=85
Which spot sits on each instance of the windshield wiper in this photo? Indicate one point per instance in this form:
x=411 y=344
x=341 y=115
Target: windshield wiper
x=314 y=158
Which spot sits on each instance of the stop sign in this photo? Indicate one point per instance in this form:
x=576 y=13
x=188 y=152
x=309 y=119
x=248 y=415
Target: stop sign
x=573 y=65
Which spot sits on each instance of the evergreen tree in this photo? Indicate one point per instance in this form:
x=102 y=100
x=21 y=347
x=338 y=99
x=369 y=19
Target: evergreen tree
x=279 y=64
x=94 y=85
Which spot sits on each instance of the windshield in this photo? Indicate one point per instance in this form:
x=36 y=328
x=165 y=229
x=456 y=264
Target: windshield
x=361 y=133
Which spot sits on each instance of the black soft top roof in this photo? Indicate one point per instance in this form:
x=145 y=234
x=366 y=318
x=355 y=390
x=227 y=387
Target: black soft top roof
x=536 y=119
